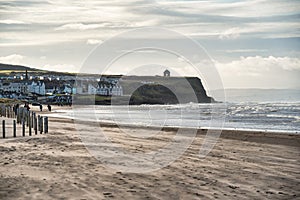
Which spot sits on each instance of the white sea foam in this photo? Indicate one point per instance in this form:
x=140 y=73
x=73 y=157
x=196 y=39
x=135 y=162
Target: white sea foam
x=284 y=117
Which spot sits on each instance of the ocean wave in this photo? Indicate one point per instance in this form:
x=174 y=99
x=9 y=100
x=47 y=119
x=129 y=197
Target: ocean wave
x=264 y=116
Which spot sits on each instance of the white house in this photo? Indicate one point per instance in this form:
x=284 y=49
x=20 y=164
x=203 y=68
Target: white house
x=37 y=87
x=92 y=89
x=14 y=87
x=117 y=90
x=102 y=90
x=105 y=89
x=109 y=89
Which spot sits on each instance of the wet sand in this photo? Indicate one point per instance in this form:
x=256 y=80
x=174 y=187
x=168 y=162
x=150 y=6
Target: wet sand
x=242 y=165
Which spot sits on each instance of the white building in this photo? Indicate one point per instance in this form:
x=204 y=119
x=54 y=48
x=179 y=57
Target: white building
x=92 y=89
x=36 y=87
x=117 y=90
x=109 y=90
x=102 y=90
x=105 y=89
x=14 y=87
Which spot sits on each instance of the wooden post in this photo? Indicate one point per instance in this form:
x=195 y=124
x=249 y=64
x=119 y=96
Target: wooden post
x=3 y=128
x=12 y=111
x=32 y=118
x=27 y=118
x=18 y=115
x=23 y=129
x=45 y=124
x=30 y=125
x=35 y=125
x=15 y=128
x=3 y=110
x=23 y=115
x=41 y=123
x=32 y=122
x=8 y=112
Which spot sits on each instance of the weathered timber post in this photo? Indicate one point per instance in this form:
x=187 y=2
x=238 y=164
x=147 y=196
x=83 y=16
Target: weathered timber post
x=28 y=118
x=32 y=118
x=18 y=115
x=45 y=124
x=10 y=112
x=41 y=123
x=4 y=112
x=35 y=125
x=23 y=129
x=7 y=112
x=3 y=128
x=30 y=125
x=23 y=115
x=14 y=128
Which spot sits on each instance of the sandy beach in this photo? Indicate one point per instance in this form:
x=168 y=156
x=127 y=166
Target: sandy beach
x=242 y=165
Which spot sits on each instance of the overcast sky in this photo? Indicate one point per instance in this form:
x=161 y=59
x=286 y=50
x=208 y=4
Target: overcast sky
x=253 y=43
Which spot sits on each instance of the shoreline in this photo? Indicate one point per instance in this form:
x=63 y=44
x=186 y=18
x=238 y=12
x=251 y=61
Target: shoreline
x=55 y=115
x=57 y=165
x=292 y=139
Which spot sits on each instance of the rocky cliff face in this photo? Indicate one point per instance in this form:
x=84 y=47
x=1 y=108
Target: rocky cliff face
x=164 y=90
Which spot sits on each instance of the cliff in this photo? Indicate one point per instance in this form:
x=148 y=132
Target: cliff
x=153 y=90
x=164 y=90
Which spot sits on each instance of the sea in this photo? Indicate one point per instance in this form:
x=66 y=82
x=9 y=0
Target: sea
x=269 y=110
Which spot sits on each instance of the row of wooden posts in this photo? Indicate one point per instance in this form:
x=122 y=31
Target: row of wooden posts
x=27 y=119
x=7 y=111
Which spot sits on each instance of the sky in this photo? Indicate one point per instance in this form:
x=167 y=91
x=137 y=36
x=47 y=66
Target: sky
x=251 y=43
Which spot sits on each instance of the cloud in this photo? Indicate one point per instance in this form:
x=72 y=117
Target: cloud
x=244 y=50
x=260 y=72
x=227 y=29
x=246 y=8
x=181 y=59
x=258 y=65
x=93 y=41
x=53 y=20
x=11 y=21
x=286 y=63
x=14 y=59
x=232 y=33
x=79 y=26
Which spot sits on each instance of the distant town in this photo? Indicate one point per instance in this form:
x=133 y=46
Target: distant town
x=59 y=88
x=50 y=87
x=56 y=88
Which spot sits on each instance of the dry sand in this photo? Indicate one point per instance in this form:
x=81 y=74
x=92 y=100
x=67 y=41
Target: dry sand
x=243 y=165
